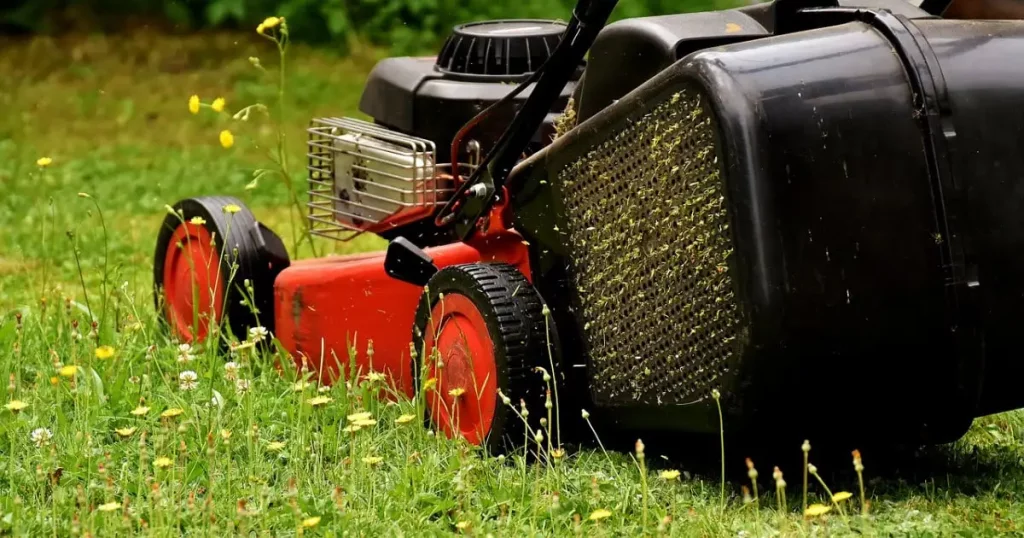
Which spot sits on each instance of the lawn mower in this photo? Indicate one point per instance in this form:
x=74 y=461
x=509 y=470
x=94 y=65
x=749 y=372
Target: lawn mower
x=802 y=213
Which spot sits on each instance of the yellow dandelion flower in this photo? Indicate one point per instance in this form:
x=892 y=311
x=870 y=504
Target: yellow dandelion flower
x=125 y=432
x=669 y=475
x=193 y=104
x=44 y=162
x=455 y=393
x=54 y=380
x=268 y=23
x=372 y=460
x=232 y=209
x=16 y=405
x=320 y=401
x=68 y=371
x=225 y=434
x=360 y=416
x=310 y=522
x=227 y=139
x=816 y=510
x=405 y=419
x=172 y=412
x=462 y=525
x=600 y=514
x=140 y=410
x=104 y=352
x=841 y=496
x=430 y=384
x=218 y=104
x=198 y=221
x=163 y=462
x=109 y=507
x=275 y=446
x=365 y=423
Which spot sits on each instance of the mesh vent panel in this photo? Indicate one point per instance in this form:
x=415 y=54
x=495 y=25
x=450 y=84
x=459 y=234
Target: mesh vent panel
x=650 y=249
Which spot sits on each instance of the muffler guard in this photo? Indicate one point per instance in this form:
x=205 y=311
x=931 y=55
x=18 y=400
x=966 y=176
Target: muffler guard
x=821 y=225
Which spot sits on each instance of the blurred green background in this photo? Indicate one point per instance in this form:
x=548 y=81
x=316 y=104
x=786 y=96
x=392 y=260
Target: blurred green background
x=404 y=25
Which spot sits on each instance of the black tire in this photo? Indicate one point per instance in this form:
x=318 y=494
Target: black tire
x=258 y=252
x=514 y=314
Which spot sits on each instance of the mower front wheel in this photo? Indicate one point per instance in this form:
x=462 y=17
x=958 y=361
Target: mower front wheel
x=205 y=253
x=480 y=329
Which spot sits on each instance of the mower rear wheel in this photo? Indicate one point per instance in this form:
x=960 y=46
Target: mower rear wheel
x=487 y=325
x=204 y=255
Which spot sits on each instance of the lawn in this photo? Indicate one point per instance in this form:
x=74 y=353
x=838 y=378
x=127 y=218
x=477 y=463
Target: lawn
x=119 y=442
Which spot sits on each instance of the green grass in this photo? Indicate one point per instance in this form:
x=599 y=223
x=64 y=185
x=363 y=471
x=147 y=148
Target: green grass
x=111 y=112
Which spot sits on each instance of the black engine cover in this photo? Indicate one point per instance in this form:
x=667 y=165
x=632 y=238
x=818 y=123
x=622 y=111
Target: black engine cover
x=433 y=97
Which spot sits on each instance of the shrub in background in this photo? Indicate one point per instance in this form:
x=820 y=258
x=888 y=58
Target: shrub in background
x=409 y=26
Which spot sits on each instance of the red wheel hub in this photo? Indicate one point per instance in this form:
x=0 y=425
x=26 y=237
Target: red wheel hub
x=465 y=396
x=192 y=282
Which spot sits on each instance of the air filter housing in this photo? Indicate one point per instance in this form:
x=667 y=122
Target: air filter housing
x=501 y=49
x=819 y=225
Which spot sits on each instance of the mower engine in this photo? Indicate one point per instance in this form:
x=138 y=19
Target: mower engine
x=802 y=206
x=386 y=176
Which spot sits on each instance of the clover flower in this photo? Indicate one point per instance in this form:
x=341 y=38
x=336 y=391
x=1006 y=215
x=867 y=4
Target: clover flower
x=188 y=380
x=41 y=437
